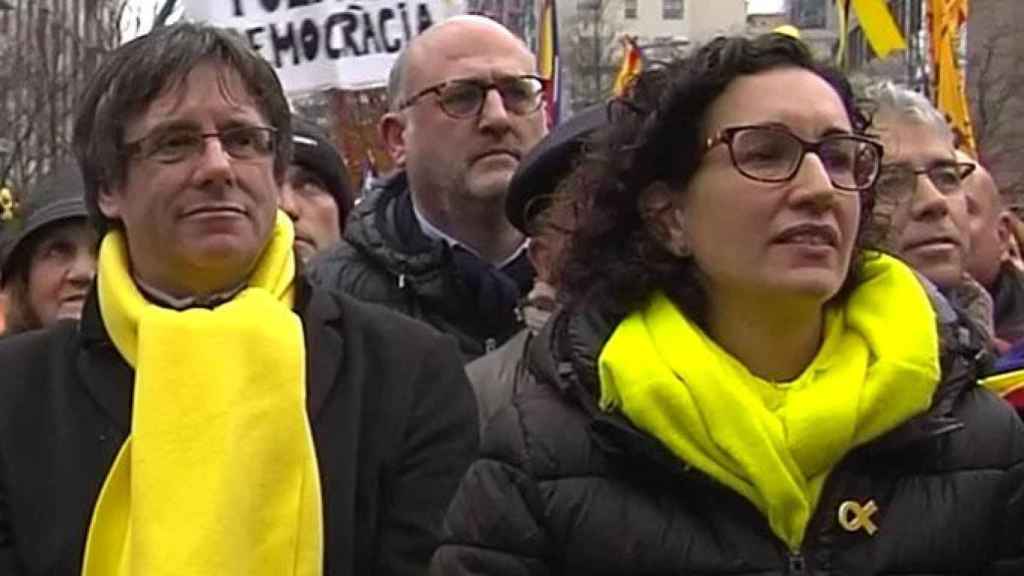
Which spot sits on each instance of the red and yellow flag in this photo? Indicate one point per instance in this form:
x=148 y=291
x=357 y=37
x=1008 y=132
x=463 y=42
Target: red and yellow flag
x=547 y=59
x=946 y=19
x=632 y=64
x=876 y=21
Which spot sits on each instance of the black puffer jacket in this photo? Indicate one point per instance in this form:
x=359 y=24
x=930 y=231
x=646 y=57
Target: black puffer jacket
x=384 y=258
x=564 y=488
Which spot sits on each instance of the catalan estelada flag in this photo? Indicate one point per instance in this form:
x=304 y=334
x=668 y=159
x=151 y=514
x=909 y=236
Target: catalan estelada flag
x=547 y=60
x=876 y=21
x=946 y=19
x=632 y=64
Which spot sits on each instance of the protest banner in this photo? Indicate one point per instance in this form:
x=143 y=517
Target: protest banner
x=321 y=44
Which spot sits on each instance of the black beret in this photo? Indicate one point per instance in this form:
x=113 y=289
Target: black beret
x=548 y=163
x=58 y=196
x=315 y=152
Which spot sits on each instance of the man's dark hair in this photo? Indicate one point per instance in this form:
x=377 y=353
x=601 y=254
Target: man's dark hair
x=139 y=72
x=656 y=135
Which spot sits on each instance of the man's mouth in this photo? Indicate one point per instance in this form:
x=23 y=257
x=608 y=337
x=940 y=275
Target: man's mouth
x=496 y=152
x=934 y=242
x=215 y=209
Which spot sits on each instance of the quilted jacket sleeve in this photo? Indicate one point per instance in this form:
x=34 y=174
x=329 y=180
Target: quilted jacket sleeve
x=494 y=524
x=1009 y=520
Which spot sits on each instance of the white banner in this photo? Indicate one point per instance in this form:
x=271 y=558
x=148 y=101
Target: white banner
x=319 y=44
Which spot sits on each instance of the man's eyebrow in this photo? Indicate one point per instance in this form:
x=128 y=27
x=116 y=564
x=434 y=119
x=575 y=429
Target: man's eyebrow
x=177 y=124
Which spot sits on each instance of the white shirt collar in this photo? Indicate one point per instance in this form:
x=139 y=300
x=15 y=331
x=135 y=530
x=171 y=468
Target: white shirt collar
x=158 y=296
x=435 y=233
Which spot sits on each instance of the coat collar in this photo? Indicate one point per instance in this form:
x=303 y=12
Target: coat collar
x=110 y=380
x=565 y=354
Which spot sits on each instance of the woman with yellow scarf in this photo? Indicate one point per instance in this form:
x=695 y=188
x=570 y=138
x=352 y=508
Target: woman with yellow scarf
x=737 y=383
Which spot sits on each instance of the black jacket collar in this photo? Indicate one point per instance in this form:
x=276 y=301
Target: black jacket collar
x=566 y=351
x=110 y=380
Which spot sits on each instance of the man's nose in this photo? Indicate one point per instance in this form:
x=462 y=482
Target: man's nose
x=214 y=163
x=493 y=113
x=928 y=202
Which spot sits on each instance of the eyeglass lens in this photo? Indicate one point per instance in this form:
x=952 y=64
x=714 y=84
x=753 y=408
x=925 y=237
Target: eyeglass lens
x=466 y=98
x=242 y=143
x=775 y=156
x=899 y=181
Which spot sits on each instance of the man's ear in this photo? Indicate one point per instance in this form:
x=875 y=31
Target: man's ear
x=539 y=253
x=1004 y=228
x=659 y=207
x=392 y=133
x=108 y=203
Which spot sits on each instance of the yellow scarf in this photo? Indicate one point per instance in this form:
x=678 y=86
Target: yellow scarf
x=219 y=474
x=776 y=444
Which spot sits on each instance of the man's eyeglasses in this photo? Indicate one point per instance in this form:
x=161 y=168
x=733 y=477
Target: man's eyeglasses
x=898 y=182
x=521 y=95
x=176 y=145
x=774 y=154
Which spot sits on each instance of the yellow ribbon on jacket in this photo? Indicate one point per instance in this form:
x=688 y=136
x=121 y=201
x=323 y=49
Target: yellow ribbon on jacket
x=775 y=444
x=219 y=473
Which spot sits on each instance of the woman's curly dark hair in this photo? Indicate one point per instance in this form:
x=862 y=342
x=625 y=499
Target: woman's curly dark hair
x=655 y=134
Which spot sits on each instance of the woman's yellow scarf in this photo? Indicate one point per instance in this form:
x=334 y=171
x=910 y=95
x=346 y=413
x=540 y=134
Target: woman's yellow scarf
x=219 y=474
x=776 y=444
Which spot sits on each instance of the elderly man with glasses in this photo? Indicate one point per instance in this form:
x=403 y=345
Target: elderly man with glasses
x=433 y=241
x=920 y=204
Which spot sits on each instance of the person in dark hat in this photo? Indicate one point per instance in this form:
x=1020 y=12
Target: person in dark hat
x=535 y=207
x=49 y=254
x=317 y=193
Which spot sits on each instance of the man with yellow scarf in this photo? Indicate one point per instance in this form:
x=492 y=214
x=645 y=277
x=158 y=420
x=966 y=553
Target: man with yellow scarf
x=213 y=414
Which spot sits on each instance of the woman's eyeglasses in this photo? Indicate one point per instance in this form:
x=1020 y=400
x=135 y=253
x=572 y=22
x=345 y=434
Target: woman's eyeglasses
x=774 y=154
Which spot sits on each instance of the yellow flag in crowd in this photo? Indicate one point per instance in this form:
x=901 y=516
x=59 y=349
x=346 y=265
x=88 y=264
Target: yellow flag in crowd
x=788 y=30
x=547 y=59
x=879 y=27
x=947 y=18
x=632 y=64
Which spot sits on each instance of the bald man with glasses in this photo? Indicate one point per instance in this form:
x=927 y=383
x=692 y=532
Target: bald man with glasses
x=433 y=241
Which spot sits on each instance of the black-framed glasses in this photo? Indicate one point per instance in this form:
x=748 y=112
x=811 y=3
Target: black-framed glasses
x=177 y=144
x=464 y=98
x=774 y=154
x=898 y=182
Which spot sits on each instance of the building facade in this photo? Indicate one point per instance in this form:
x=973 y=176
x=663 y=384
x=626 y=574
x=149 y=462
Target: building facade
x=592 y=32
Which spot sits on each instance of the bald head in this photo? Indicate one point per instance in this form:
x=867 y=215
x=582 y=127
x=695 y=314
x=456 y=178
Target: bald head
x=989 y=234
x=437 y=42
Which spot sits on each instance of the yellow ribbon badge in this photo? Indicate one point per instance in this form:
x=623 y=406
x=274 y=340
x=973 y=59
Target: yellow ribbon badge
x=853 y=516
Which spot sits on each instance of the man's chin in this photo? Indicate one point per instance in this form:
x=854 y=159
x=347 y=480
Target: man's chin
x=304 y=251
x=492 y=186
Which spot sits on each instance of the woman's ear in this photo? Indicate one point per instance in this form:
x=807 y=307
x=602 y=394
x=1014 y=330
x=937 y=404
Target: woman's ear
x=659 y=207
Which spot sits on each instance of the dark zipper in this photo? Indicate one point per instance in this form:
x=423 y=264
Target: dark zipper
x=796 y=564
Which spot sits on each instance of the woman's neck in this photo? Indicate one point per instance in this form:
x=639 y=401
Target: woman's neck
x=774 y=341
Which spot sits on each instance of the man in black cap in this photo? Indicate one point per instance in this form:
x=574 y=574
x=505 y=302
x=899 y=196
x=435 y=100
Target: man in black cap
x=537 y=208
x=317 y=193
